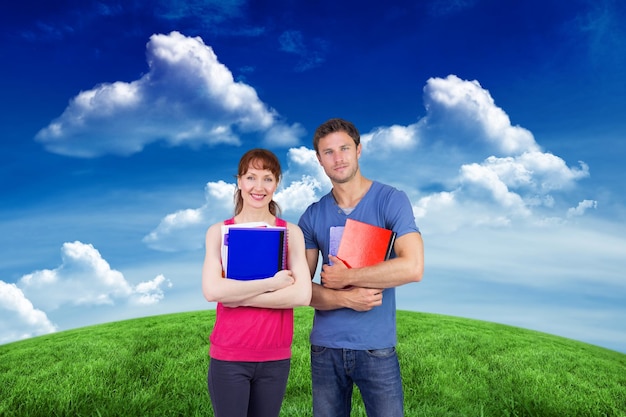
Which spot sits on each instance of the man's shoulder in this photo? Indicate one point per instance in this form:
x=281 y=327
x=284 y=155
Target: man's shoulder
x=386 y=186
x=315 y=209
x=319 y=204
x=385 y=189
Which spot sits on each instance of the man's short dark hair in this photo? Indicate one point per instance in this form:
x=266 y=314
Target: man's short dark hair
x=335 y=125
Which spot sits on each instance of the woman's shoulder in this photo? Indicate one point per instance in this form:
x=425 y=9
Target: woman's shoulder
x=217 y=227
x=292 y=227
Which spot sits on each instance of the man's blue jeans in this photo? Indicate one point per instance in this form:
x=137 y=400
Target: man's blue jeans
x=375 y=372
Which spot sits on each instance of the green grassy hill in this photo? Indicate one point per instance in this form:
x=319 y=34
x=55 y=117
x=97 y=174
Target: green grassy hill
x=156 y=366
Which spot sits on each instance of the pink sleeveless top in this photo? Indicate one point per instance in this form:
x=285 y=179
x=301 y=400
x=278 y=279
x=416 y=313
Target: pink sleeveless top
x=251 y=334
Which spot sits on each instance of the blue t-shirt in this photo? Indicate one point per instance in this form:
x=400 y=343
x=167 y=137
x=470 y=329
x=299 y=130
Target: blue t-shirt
x=382 y=206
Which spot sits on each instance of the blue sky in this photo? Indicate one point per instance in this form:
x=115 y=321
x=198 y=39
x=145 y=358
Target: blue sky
x=122 y=124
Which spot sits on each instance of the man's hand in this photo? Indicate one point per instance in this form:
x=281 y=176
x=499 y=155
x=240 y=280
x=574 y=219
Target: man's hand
x=362 y=299
x=334 y=276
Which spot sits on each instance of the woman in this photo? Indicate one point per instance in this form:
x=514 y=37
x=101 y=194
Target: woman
x=251 y=341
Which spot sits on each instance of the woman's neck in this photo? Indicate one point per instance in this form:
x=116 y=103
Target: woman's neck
x=250 y=215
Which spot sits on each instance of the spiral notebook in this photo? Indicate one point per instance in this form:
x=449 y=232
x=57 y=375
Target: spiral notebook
x=254 y=252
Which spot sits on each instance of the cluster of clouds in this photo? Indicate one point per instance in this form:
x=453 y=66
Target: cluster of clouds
x=489 y=172
x=84 y=278
x=463 y=165
x=189 y=98
x=186 y=98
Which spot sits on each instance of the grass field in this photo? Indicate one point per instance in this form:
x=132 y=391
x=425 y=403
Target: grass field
x=156 y=366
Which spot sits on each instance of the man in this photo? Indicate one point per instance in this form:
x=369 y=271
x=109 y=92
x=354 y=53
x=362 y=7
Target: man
x=354 y=331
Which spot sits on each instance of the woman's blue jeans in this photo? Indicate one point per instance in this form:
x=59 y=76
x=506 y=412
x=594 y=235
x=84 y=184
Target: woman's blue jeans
x=376 y=372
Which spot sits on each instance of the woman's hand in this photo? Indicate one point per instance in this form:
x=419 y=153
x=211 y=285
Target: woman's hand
x=282 y=279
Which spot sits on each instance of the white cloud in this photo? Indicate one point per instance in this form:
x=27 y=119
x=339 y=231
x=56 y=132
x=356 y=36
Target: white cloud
x=150 y=292
x=581 y=208
x=186 y=98
x=488 y=179
x=519 y=184
x=21 y=319
x=465 y=104
x=551 y=172
x=298 y=194
x=391 y=139
x=303 y=163
x=83 y=278
x=443 y=203
x=185 y=229
x=305 y=157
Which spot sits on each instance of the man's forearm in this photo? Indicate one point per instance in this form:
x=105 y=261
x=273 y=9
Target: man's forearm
x=324 y=298
x=354 y=298
x=388 y=274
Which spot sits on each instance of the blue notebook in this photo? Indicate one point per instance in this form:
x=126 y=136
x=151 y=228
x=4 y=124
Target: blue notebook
x=255 y=253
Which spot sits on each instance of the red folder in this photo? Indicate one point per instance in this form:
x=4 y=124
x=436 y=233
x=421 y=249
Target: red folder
x=364 y=244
